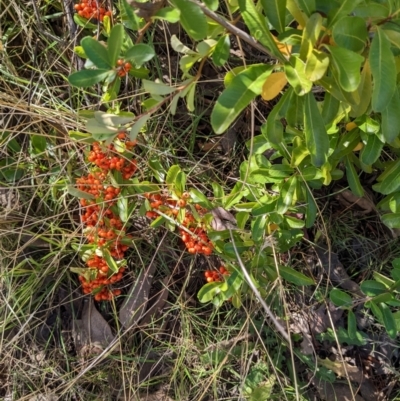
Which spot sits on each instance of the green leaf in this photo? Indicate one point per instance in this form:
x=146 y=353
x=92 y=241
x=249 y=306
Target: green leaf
x=133 y=20
x=208 y=291
x=137 y=126
x=169 y=14
x=219 y=193
x=275 y=10
x=122 y=205
x=352 y=178
x=347 y=65
x=391 y=118
x=344 y=7
x=38 y=143
x=81 y=137
x=114 y=43
x=140 y=54
x=258 y=229
x=295 y=110
x=157 y=88
x=383 y=68
x=372 y=288
x=295 y=277
x=78 y=193
x=112 y=265
x=350 y=33
x=85 y=78
x=222 y=50
x=212 y=4
x=286 y=195
x=307 y=6
x=351 y=324
x=192 y=19
x=364 y=92
x=96 y=127
x=180 y=183
x=296 y=75
x=317 y=140
x=340 y=298
x=330 y=108
x=389 y=180
x=113 y=120
x=388 y=320
x=312 y=210
x=310 y=35
x=316 y=65
x=391 y=220
x=372 y=149
x=258 y=27
x=97 y=53
x=171 y=175
x=200 y=198
x=243 y=89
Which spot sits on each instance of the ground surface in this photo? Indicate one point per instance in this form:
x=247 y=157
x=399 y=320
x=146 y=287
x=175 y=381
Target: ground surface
x=57 y=344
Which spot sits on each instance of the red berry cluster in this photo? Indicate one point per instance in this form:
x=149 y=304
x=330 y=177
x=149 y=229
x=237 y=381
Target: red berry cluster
x=91 y=9
x=214 y=275
x=102 y=226
x=109 y=160
x=123 y=67
x=194 y=237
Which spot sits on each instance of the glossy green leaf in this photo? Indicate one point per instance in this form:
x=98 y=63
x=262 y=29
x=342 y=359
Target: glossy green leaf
x=97 y=53
x=316 y=65
x=137 y=126
x=330 y=108
x=347 y=65
x=169 y=14
x=364 y=91
x=131 y=20
x=310 y=35
x=388 y=320
x=307 y=6
x=218 y=191
x=275 y=10
x=111 y=263
x=296 y=75
x=258 y=228
x=352 y=178
x=200 y=198
x=295 y=110
x=273 y=129
x=78 y=193
x=351 y=324
x=157 y=88
x=391 y=118
x=372 y=150
x=140 y=54
x=295 y=277
x=192 y=19
x=114 y=43
x=243 y=89
x=286 y=195
x=389 y=180
x=85 y=78
x=340 y=298
x=344 y=7
x=391 y=220
x=222 y=51
x=350 y=33
x=311 y=209
x=383 y=68
x=317 y=140
x=258 y=27
x=372 y=288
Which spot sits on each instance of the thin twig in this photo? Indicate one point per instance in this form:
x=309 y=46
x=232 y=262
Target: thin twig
x=233 y=29
x=268 y=311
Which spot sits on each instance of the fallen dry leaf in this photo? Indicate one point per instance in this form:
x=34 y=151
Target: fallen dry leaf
x=98 y=330
x=347 y=198
x=222 y=219
x=336 y=272
x=336 y=391
x=136 y=301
